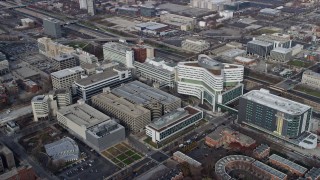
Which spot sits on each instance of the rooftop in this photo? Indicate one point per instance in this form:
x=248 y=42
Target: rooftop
x=243 y=59
x=233 y=53
x=291 y=164
x=187 y=159
x=282 y=50
x=269 y=169
x=270 y=11
x=261 y=148
x=83 y=115
x=65 y=148
x=40 y=98
x=140 y=93
x=67 y=72
x=52 y=20
x=274 y=37
x=26 y=72
x=312 y=73
x=96 y=78
x=118 y=46
x=264 y=97
x=173 y=118
x=121 y=104
x=151 y=25
x=260 y=43
x=63 y=57
x=105 y=128
x=314 y=173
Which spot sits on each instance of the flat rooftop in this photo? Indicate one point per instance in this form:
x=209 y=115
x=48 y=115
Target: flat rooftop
x=282 y=50
x=233 y=52
x=105 y=128
x=96 y=78
x=117 y=46
x=121 y=104
x=140 y=93
x=261 y=148
x=63 y=57
x=269 y=169
x=39 y=98
x=264 y=97
x=260 y=43
x=66 y=72
x=83 y=115
x=312 y=73
x=65 y=148
x=26 y=72
x=291 y=164
x=314 y=173
x=172 y=118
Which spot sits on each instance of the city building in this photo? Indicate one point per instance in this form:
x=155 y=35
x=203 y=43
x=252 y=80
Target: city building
x=30 y=86
x=94 y=84
x=280 y=54
x=25 y=72
x=128 y=11
x=224 y=135
x=287 y=164
x=134 y=117
x=4 y=67
x=162 y=172
x=274 y=114
x=147 y=11
x=247 y=164
x=173 y=122
x=313 y=174
x=180 y=157
x=84 y=57
x=185 y=23
x=311 y=78
x=214 y=5
x=195 y=45
x=91 y=6
x=269 y=12
x=154 y=29
x=157 y=101
x=7 y=157
x=64 y=79
x=277 y=40
x=27 y=22
x=244 y=61
x=261 y=48
x=12 y=127
x=210 y=80
x=23 y=172
x=118 y=52
x=141 y=53
x=44 y=107
x=157 y=70
x=91 y=126
x=65 y=149
x=231 y=54
x=52 y=49
x=52 y=27
x=83 y=4
x=64 y=61
x=63 y=97
x=261 y=152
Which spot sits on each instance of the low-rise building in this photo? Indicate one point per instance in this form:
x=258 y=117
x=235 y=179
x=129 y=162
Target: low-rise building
x=261 y=152
x=158 y=71
x=268 y=171
x=185 y=23
x=43 y=107
x=224 y=135
x=94 y=84
x=64 y=61
x=261 y=48
x=288 y=165
x=26 y=73
x=65 y=78
x=133 y=116
x=157 y=101
x=65 y=149
x=280 y=54
x=91 y=126
x=244 y=61
x=311 y=78
x=231 y=54
x=180 y=157
x=195 y=45
x=173 y=122
x=118 y=52
x=313 y=174
x=269 y=12
x=30 y=86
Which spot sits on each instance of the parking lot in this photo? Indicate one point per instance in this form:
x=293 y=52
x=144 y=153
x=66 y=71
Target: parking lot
x=93 y=166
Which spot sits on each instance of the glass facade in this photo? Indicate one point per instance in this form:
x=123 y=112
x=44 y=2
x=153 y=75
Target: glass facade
x=232 y=94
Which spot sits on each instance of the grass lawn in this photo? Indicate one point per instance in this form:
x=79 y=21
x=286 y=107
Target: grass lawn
x=298 y=63
x=113 y=151
x=115 y=160
x=309 y=91
x=121 y=147
x=129 y=153
x=122 y=157
x=128 y=161
x=106 y=154
x=120 y=164
x=136 y=157
x=148 y=140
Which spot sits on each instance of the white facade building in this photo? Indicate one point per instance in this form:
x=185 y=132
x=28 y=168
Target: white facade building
x=210 y=80
x=172 y=123
x=118 y=52
x=65 y=78
x=83 y=4
x=311 y=78
x=215 y=5
x=43 y=107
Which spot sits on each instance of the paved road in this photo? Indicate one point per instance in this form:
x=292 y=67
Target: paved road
x=12 y=143
x=4 y=117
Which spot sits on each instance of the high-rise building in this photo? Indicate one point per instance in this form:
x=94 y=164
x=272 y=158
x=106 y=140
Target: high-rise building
x=132 y=116
x=7 y=157
x=274 y=114
x=52 y=27
x=65 y=78
x=83 y=4
x=195 y=45
x=210 y=80
x=91 y=6
x=94 y=84
x=64 y=61
x=118 y=52
x=43 y=107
